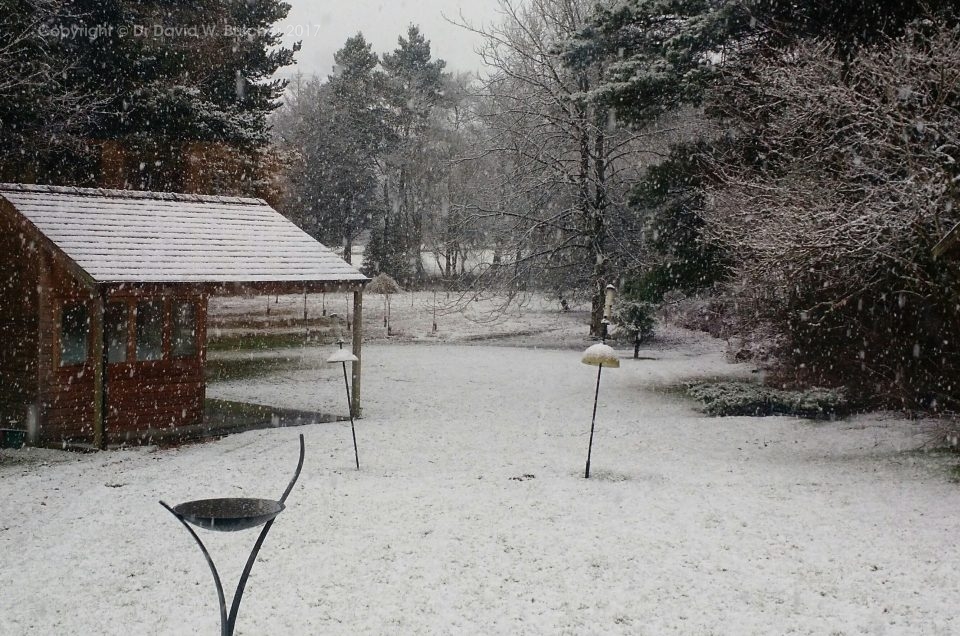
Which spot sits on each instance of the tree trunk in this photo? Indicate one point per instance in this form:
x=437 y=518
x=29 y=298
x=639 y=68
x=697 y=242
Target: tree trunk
x=598 y=229
x=592 y=224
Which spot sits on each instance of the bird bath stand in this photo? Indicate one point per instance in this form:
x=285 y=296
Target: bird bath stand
x=229 y=515
x=599 y=355
x=344 y=357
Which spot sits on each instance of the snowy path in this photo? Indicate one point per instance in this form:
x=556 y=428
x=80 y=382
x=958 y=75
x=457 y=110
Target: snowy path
x=691 y=525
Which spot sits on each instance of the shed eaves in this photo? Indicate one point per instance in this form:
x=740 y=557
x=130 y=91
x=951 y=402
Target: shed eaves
x=949 y=243
x=128 y=236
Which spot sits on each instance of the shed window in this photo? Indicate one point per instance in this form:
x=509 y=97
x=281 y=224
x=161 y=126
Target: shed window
x=74 y=327
x=184 y=329
x=150 y=330
x=116 y=323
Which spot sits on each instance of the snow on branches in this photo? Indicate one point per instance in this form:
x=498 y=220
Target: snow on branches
x=837 y=177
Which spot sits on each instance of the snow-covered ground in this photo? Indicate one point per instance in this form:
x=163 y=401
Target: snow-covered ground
x=459 y=317
x=471 y=513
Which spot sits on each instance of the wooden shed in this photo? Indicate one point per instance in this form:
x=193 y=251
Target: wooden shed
x=104 y=299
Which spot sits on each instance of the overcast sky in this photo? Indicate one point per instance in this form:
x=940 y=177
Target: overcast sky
x=324 y=25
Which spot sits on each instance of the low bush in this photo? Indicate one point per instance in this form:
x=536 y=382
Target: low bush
x=634 y=320
x=744 y=398
x=711 y=312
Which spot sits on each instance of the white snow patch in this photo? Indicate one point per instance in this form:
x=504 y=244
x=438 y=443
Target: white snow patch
x=471 y=514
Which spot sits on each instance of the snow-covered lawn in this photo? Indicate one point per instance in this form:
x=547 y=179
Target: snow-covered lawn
x=459 y=317
x=471 y=514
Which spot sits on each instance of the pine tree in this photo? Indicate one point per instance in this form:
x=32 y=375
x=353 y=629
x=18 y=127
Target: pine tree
x=342 y=132
x=159 y=96
x=414 y=87
x=242 y=86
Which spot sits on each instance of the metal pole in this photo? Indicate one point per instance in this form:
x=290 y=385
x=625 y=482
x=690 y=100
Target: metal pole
x=356 y=366
x=353 y=430
x=225 y=629
x=228 y=622
x=242 y=583
x=593 y=421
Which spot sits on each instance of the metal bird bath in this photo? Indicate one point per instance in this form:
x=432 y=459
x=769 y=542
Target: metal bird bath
x=229 y=515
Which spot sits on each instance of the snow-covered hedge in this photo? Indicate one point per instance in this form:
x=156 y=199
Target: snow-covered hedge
x=846 y=179
x=743 y=398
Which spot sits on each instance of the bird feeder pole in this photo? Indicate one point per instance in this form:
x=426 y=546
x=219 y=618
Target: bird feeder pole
x=343 y=357
x=593 y=422
x=601 y=355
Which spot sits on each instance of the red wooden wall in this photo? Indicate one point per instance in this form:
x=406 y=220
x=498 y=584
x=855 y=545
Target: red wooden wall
x=143 y=397
x=19 y=262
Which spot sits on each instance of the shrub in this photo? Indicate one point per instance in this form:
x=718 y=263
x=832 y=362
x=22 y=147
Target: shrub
x=845 y=179
x=634 y=319
x=743 y=398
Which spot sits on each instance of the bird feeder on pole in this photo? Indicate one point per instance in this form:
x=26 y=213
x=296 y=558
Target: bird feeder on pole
x=599 y=355
x=343 y=357
x=609 y=293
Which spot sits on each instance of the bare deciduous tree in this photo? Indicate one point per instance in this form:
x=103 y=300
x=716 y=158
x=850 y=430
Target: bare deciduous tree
x=563 y=161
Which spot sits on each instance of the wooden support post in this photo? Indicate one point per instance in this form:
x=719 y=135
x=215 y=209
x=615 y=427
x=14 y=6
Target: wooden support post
x=44 y=344
x=306 y=327
x=97 y=327
x=357 y=342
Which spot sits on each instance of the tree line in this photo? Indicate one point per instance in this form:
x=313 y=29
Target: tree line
x=820 y=173
x=794 y=160
x=367 y=149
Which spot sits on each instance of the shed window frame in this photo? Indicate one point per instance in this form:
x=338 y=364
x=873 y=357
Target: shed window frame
x=66 y=359
x=156 y=351
x=193 y=329
x=117 y=334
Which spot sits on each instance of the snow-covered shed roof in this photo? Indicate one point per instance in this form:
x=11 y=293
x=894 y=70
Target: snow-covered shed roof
x=129 y=236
